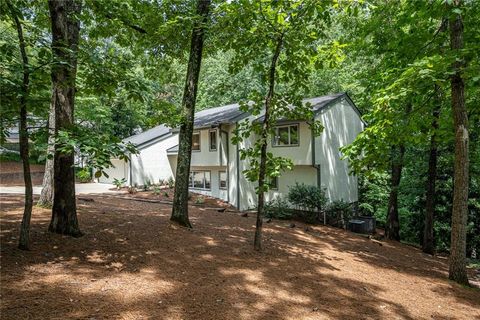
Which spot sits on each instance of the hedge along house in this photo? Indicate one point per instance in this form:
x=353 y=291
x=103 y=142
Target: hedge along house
x=216 y=168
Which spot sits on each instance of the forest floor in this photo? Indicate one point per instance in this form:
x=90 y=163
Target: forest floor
x=132 y=263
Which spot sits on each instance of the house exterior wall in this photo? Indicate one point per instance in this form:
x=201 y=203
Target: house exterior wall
x=119 y=171
x=152 y=163
x=341 y=124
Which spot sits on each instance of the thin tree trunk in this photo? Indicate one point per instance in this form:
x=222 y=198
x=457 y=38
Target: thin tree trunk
x=182 y=176
x=457 y=262
x=24 y=240
x=257 y=244
x=65 y=37
x=428 y=244
x=392 y=229
x=46 y=196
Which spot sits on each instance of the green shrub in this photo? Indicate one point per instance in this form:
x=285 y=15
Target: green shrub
x=119 y=182
x=307 y=197
x=278 y=208
x=156 y=190
x=171 y=182
x=84 y=175
x=338 y=213
x=166 y=195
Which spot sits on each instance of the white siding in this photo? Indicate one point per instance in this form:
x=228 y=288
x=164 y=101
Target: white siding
x=205 y=157
x=119 y=170
x=152 y=163
x=342 y=125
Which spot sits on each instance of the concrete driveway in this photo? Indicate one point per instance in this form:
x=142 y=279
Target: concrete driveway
x=80 y=188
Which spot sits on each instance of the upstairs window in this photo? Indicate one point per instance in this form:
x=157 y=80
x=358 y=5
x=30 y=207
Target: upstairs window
x=286 y=135
x=212 y=134
x=196 y=141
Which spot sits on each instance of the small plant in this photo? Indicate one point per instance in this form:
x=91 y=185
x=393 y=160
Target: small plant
x=132 y=190
x=166 y=195
x=156 y=190
x=278 y=208
x=119 y=182
x=200 y=200
x=171 y=182
x=84 y=175
x=147 y=185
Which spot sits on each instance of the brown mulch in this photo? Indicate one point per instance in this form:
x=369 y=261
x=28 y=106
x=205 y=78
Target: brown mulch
x=132 y=263
x=166 y=195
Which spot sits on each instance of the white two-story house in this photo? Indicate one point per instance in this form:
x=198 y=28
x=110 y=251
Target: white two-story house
x=216 y=167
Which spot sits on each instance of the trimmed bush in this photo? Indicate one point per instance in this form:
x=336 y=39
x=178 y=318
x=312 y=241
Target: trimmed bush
x=339 y=213
x=278 y=208
x=307 y=197
x=84 y=175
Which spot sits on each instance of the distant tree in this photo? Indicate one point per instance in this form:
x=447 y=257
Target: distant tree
x=457 y=262
x=180 y=198
x=24 y=240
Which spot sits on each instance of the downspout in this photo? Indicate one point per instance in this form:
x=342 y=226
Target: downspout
x=317 y=167
x=238 y=174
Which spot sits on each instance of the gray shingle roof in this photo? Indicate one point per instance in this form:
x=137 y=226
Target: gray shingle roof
x=216 y=116
x=146 y=136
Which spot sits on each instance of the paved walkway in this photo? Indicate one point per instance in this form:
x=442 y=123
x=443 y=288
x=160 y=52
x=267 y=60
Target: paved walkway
x=80 y=188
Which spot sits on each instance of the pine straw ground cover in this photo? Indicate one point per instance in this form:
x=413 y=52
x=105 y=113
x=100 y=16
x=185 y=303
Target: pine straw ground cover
x=133 y=264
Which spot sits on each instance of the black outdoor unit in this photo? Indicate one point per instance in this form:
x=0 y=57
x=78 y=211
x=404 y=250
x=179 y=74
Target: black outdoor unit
x=356 y=225
x=362 y=224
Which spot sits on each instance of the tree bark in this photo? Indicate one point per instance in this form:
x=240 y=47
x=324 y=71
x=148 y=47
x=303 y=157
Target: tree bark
x=182 y=176
x=428 y=244
x=46 y=196
x=257 y=243
x=24 y=239
x=65 y=37
x=392 y=228
x=457 y=261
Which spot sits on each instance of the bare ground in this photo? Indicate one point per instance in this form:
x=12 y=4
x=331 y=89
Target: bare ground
x=133 y=264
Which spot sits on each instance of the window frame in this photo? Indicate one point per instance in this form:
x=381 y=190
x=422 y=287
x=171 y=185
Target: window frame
x=269 y=183
x=288 y=125
x=199 y=141
x=191 y=184
x=220 y=180
x=210 y=140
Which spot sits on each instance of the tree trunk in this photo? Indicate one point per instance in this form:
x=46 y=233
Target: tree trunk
x=428 y=244
x=457 y=262
x=65 y=36
x=392 y=228
x=182 y=176
x=46 y=196
x=257 y=243
x=24 y=240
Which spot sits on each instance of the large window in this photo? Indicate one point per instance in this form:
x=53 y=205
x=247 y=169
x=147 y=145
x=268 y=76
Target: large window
x=222 y=176
x=212 y=135
x=196 y=141
x=286 y=135
x=200 y=180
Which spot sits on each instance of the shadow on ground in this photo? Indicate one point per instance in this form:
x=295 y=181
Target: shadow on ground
x=132 y=264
